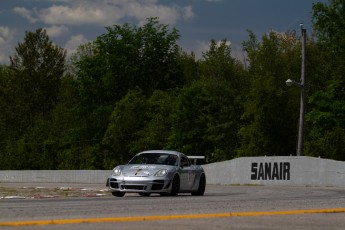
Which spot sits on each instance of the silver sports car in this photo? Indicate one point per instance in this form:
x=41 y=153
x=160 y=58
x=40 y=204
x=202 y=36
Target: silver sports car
x=158 y=171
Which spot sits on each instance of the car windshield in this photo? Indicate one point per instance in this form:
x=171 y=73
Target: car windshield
x=154 y=158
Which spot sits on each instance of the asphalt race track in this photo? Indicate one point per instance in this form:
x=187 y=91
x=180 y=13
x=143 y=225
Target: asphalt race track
x=222 y=207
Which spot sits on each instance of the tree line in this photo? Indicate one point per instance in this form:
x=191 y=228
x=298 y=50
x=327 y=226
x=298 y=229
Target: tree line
x=133 y=88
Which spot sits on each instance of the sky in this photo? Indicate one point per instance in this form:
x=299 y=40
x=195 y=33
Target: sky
x=70 y=23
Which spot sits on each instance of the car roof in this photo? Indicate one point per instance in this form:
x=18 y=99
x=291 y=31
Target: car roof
x=163 y=151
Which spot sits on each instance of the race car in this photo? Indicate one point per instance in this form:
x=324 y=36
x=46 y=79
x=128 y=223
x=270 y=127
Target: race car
x=164 y=172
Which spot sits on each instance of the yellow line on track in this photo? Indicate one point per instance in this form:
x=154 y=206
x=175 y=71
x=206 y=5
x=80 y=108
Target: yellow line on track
x=171 y=217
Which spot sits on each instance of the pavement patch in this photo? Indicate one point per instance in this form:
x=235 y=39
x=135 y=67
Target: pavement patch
x=44 y=192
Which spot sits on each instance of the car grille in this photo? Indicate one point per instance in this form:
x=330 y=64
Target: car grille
x=133 y=187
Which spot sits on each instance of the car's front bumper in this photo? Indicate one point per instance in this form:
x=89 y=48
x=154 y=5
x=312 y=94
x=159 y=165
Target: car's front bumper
x=139 y=185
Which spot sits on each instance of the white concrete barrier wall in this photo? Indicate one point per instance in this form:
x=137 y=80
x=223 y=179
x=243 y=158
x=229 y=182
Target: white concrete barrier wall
x=304 y=171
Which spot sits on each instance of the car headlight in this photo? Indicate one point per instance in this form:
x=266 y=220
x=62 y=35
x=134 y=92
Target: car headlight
x=117 y=172
x=162 y=172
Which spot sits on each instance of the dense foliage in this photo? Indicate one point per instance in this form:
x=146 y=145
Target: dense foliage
x=134 y=89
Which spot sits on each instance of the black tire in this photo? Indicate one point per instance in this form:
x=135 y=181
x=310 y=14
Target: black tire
x=175 y=186
x=118 y=194
x=202 y=186
x=144 y=194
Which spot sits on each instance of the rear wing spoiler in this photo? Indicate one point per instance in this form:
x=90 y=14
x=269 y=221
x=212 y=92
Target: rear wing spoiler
x=195 y=158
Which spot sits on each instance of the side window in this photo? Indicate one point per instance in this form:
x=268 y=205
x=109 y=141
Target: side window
x=184 y=162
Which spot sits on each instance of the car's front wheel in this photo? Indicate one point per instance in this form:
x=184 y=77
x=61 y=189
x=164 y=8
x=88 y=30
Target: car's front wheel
x=118 y=194
x=175 y=186
x=202 y=186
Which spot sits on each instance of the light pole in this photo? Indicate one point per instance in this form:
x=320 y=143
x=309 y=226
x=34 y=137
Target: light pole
x=290 y=82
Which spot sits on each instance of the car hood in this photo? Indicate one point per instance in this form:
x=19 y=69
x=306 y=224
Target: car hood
x=142 y=170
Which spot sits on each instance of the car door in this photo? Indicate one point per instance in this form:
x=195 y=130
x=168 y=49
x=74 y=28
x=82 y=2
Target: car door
x=185 y=174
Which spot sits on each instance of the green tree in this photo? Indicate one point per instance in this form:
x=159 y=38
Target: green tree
x=206 y=117
x=218 y=63
x=4 y=132
x=157 y=126
x=129 y=57
x=126 y=121
x=68 y=144
x=32 y=86
x=190 y=67
x=38 y=67
x=83 y=51
x=4 y=80
x=204 y=120
x=125 y=58
x=326 y=118
x=270 y=115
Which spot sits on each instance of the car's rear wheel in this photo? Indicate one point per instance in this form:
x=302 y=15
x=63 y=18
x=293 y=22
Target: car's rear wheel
x=175 y=186
x=202 y=186
x=118 y=194
x=144 y=194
